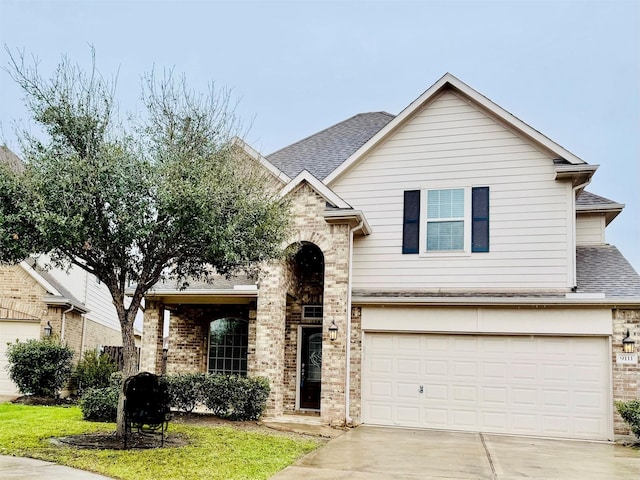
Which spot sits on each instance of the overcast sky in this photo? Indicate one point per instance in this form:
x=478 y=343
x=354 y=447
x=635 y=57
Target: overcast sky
x=569 y=69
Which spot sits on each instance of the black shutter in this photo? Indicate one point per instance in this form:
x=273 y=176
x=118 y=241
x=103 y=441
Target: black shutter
x=411 y=223
x=480 y=219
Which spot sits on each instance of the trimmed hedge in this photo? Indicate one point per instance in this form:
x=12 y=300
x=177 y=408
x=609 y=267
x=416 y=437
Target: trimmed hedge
x=630 y=413
x=39 y=367
x=227 y=396
x=235 y=397
x=186 y=390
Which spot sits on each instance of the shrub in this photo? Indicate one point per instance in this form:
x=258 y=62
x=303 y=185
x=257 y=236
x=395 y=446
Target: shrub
x=235 y=397
x=94 y=371
x=630 y=413
x=39 y=367
x=100 y=404
x=186 y=390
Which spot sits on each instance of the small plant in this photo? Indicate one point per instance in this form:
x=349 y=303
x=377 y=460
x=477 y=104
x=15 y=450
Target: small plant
x=100 y=404
x=186 y=390
x=94 y=371
x=235 y=397
x=39 y=367
x=630 y=413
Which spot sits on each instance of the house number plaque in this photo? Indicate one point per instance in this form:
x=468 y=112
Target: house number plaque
x=628 y=358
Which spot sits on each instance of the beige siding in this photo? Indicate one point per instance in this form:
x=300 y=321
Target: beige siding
x=451 y=144
x=93 y=294
x=590 y=229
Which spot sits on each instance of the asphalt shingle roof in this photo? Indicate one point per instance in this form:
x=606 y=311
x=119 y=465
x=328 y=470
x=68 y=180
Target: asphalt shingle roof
x=588 y=198
x=323 y=152
x=603 y=269
x=216 y=282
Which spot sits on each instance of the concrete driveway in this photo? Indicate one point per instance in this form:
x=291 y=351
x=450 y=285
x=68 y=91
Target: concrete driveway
x=375 y=453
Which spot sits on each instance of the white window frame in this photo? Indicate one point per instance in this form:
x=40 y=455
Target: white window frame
x=466 y=251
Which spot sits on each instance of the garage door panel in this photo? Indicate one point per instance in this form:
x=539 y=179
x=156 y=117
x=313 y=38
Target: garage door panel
x=524 y=397
x=408 y=366
x=494 y=370
x=436 y=367
x=436 y=392
x=523 y=385
x=437 y=417
x=494 y=396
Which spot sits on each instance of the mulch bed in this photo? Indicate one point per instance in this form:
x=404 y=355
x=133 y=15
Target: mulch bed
x=110 y=441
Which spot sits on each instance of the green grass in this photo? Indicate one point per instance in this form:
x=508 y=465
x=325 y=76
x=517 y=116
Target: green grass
x=213 y=452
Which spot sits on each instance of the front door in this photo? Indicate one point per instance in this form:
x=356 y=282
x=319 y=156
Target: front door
x=310 y=367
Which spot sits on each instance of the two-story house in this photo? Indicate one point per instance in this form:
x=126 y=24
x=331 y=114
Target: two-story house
x=447 y=270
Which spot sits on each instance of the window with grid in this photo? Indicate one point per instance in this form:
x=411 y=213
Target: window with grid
x=228 y=341
x=445 y=219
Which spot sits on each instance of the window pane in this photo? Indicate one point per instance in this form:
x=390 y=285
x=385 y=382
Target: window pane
x=445 y=235
x=228 y=346
x=445 y=203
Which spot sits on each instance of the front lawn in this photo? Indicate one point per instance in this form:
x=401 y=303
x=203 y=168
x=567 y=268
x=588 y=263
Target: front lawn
x=213 y=453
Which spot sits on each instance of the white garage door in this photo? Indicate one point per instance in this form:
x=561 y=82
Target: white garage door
x=548 y=386
x=10 y=331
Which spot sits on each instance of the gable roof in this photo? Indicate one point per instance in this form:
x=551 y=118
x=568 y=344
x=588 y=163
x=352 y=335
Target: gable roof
x=588 y=202
x=322 y=152
x=325 y=192
x=448 y=81
x=603 y=269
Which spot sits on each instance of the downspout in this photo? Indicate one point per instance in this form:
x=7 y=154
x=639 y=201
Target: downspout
x=84 y=333
x=573 y=230
x=347 y=381
x=64 y=322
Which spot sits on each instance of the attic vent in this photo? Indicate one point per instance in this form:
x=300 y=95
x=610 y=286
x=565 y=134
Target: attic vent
x=312 y=312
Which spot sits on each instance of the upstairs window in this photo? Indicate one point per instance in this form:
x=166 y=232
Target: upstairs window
x=445 y=220
x=455 y=220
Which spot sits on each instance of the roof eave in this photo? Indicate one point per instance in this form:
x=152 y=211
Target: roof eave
x=610 y=211
x=60 y=301
x=578 y=174
x=612 y=302
x=354 y=218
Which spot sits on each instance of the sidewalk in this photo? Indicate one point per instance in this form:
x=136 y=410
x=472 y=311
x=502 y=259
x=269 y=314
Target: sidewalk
x=18 y=468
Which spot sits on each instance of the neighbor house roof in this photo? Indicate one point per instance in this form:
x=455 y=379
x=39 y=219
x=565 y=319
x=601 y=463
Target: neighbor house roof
x=58 y=294
x=603 y=269
x=9 y=158
x=323 y=152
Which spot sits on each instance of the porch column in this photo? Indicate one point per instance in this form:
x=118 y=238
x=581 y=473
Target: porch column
x=267 y=360
x=336 y=285
x=152 y=330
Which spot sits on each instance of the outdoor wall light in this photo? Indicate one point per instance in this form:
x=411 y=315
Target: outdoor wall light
x=628 y=345
x=48 y=329
x=333 y=330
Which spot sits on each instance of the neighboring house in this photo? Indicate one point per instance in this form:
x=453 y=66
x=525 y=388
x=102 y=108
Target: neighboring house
x=461 y=266
x=73 y=303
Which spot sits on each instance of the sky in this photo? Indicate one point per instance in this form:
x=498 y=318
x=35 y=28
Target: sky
x=570 y=69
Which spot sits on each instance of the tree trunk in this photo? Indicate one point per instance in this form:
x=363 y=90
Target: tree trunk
x=130 y=364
